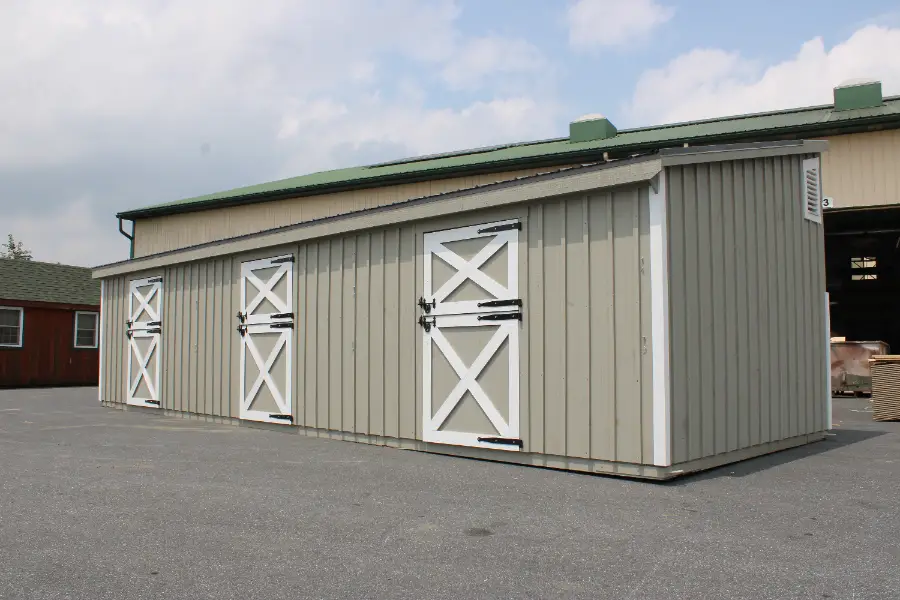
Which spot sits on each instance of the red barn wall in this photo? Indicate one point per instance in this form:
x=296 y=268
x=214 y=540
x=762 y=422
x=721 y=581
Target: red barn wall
x=48 y=355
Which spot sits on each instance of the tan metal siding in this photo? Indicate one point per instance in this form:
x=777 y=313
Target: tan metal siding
x=585 y=361
x=160 y=234
x=860 y=169
x=114 y=340
x=747 y=321
x=586 y=379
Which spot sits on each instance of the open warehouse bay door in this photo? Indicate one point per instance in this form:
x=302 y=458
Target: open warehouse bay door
x=862 y=254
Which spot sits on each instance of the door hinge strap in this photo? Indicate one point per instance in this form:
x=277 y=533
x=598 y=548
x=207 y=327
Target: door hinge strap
x=156 y=402
x=284 y=259
x=154 y=280
x=501 y=440
x=154 y=323
x=154 y=330
x=282 y=417
x=283 y=316
x=504 y=227
x=514 y=302
x=516 y=316
x=288 y=325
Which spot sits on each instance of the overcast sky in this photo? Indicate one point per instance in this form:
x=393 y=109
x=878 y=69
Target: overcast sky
x=108 y=105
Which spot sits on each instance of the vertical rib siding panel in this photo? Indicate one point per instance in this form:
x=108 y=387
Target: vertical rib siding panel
x=335 y=323
x=747 y=321
x=409 y=334
x=578 y=311
x=391 y=306
x=376 y=335
x=312 y=319
x=554 y=348
x=535 y=313
x=348 y=342
x=363 y=311
x=322 y=337
x=602 y=327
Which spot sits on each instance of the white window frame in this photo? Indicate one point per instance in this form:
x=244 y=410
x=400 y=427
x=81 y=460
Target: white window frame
x=96 y=329
x=21 y=326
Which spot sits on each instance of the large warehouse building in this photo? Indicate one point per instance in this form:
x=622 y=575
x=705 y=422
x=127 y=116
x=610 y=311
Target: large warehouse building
x=639 y=312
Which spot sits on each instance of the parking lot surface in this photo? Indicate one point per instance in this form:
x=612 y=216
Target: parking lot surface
x=102 y=503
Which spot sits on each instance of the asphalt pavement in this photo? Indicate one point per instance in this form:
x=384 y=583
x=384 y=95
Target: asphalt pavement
x=98 y=503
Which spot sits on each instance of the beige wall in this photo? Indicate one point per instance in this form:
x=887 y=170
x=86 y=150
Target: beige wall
x=862 y=169
x=160 y=234
x=585 y=350
x=747 y=301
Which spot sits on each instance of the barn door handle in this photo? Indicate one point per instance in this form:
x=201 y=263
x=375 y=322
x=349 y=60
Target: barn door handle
x=283 y=316
x=516 y=316
x=501 y=440
x=426 y=323
x=515 y=302
x=427 y=306
x=282 y=417
x=504 y=227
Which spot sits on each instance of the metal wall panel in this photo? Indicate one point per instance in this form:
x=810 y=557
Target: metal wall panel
x=160 y=234
x=746 y=299
x=585 y=384
x=860 y=169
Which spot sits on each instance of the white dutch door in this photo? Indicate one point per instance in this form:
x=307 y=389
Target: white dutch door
x=266 y=327
x=470 y=315
x=144 y=350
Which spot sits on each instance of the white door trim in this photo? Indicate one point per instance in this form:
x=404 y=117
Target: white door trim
x=659 y=306
x=256 y=323
x=469 y=269
x=148 y=327
x=468 y=374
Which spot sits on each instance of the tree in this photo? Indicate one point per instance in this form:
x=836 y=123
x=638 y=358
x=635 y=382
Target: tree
x=15 y=250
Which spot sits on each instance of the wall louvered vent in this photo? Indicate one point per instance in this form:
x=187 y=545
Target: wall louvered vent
x=812 y=190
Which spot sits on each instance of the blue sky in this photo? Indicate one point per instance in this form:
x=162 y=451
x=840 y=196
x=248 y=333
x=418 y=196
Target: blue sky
x=109 y=105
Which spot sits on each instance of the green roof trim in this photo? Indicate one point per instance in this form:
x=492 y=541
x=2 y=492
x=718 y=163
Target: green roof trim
x=785 y=124
x=34 y=281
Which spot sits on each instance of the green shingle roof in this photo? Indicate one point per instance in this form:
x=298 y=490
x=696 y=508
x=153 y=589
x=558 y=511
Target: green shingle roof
x=801 y=122
x=47 y=282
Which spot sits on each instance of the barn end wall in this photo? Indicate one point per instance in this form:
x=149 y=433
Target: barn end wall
x=747 y=302
x=585 y=360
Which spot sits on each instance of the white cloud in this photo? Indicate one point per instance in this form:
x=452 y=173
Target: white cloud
x=598 y=23
x=490 y=56
x=708 y=83
x=140 y=104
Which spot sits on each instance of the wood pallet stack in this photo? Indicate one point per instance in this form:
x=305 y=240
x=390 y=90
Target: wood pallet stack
x=886 y=387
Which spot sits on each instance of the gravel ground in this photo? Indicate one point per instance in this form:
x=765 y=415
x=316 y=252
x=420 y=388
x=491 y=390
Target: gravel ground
x=98 y=503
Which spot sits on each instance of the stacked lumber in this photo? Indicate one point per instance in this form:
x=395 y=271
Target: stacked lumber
x=886 y=387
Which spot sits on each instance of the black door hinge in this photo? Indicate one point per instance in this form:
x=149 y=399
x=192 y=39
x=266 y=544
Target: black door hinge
x=289 y=418
x=514 y=302
x=283 y=316
x=284 y=259
x=154 y=330
x=242 y=329
x=154 y=280
x=156 y=402
x=427 y=306
x=286 y=325
x=241 y=316
x=516 y=316
x=504 y=227
x=426 y=322
x=501 y=440
x=154 y=323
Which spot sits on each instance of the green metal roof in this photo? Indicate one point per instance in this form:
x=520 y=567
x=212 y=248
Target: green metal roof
x=794 y=123
x=47 y=282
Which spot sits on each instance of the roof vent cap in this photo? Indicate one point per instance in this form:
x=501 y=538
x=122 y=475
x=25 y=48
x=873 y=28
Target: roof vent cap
x=591 y=127
x=858 y=93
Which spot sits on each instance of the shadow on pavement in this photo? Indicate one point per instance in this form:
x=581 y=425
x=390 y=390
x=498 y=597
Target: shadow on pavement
x=835 y=439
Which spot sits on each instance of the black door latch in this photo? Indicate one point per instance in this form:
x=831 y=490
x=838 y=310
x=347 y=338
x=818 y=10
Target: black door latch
x=242 y=329
x=426 y=323
x=241 y=316
x=427 y=306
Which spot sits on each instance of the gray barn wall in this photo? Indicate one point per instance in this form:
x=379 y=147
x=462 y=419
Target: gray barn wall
x=585 y=379
x=747 y=321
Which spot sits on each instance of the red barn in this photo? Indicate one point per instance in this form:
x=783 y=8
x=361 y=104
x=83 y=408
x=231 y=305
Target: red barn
x=49 y=323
